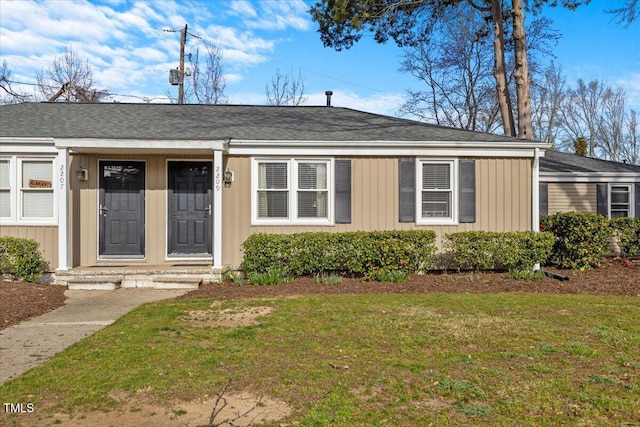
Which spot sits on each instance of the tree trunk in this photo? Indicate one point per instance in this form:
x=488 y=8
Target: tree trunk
x=499 y=70
x=521 y=74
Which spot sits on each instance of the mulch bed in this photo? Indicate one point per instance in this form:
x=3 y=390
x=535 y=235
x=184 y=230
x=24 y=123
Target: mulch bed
x=20 y=301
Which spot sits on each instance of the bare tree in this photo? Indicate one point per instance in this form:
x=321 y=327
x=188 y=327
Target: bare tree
x=628 y=13
x=631 y=148
x=69 y=79
x=456 y=68
x=547 y=97
x=596 y=113
x=580 y=113
x=8 y=94
x=285 y=89
x=610 y=137
x=207 y=83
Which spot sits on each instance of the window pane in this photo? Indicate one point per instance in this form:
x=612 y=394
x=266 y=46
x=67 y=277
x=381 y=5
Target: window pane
x=37 y=204
x=619 y=214
x=312 y=176
x=4 y=174
x=436 y=176
x=5 y=203
x=273 y=204
x=620 y=195
x=436 y=204
x=40 y=171
x=272 y=176
x=312 y=204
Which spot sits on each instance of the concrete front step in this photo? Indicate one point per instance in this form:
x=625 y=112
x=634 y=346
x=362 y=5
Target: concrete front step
x=94 y=283
x=135 y=277
x=176 y=282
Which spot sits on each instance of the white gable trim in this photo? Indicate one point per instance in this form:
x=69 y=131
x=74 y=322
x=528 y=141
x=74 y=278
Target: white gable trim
x=586 y=177
x=385 y=148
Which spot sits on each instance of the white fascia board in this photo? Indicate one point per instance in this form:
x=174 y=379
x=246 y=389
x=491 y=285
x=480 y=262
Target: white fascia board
x=27 y=145
x=140 y=145
x=385 y=148
x=593 y=177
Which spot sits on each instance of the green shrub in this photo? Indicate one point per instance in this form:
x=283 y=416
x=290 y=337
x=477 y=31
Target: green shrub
x=488 y=250
x=580 y=238
x=627 y=233
x=352 y=253
x=21 y=258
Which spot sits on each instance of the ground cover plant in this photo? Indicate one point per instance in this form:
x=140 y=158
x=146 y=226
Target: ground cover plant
x=361 y=360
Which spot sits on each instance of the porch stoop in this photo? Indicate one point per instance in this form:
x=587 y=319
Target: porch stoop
x=158 y=277
x=94 y=283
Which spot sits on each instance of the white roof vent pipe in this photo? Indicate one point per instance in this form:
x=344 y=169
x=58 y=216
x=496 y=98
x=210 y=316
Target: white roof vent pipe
x=328 y=93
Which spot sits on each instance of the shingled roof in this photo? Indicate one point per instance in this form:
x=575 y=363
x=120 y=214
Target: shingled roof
x=555 y=161
x=219 y=122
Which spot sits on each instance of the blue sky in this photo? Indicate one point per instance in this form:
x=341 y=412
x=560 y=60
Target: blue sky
x=130 y=53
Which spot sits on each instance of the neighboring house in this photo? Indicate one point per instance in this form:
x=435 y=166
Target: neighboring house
x=156 y=187
x=574 y=183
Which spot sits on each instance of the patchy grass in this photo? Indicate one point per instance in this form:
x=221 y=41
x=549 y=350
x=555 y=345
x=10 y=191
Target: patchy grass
x=366 y=360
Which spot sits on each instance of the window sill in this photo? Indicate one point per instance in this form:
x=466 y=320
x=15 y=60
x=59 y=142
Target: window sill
x=270 y=223
x=437 y=221
x=29 y=223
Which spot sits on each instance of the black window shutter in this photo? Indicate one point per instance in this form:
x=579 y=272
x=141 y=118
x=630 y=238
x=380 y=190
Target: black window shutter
x=603 y=199
x=543 y=197
x=637 y=185
x=467 y=190
x=343 y=191
x=407 y=189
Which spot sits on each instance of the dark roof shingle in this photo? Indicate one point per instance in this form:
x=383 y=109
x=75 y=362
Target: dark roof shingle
x=245 y=122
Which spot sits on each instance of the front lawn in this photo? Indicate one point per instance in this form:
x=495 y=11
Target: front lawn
x=363 y=360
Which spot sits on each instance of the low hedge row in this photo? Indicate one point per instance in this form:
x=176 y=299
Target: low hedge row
x=21 y=258
x=379 y=254
x=486 y=250
x=354 y=254
x=573 y=240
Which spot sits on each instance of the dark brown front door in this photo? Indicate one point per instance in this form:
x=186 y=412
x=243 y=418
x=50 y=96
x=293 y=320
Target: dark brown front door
x=121 y=210
x=190 y=209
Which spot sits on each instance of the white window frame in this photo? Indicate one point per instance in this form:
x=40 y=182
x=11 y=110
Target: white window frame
x=16 y=190
x=292 y=187
x=453 y=171
x=631 y=192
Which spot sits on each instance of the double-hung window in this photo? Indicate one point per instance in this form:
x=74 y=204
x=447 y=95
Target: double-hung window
x=292 y=191
x=26 y=190
x=621 y=200
x=5 y=189
x=436 y=196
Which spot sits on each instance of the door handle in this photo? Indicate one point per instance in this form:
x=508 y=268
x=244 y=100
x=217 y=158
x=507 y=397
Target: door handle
x=209 y=209
x=103 y=210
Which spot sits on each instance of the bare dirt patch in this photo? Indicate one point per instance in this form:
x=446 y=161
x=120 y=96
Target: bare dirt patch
x=229 y=317
x=142 y=410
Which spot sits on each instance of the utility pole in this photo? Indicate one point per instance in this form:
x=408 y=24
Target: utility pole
x=183 y=41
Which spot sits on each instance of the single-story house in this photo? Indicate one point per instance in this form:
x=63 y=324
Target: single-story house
x=582 y=184
x=155 y=188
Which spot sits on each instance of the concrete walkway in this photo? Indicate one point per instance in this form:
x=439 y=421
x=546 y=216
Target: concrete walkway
x=33 y=342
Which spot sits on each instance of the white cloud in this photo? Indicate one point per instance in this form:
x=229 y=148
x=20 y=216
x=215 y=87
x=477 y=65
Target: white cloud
x=243 y=9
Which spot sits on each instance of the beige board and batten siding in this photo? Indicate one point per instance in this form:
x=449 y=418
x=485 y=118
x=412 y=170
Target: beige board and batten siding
x=503 y=201
x=46 y=236
x=572 y=196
